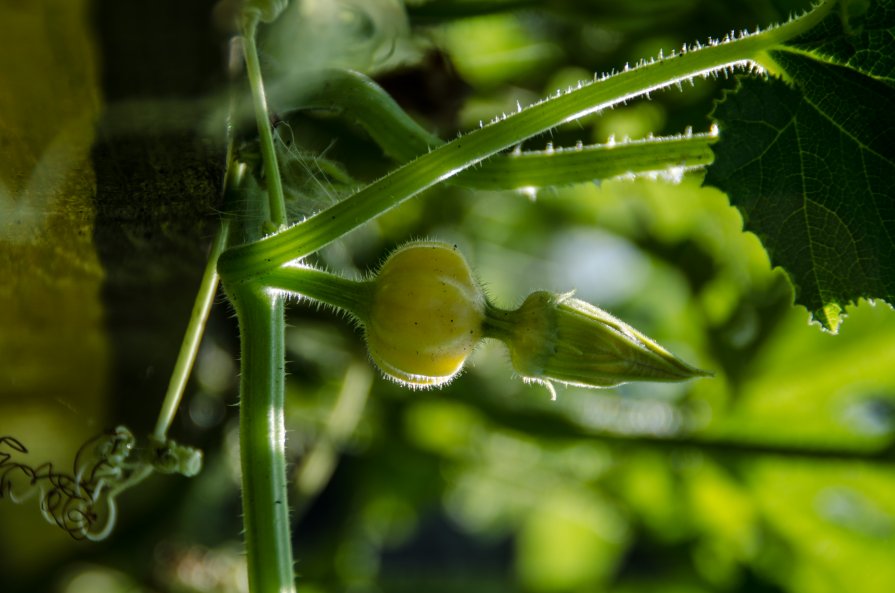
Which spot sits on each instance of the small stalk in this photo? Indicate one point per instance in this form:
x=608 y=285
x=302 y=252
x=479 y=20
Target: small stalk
x=670 y=155
x=189 y=347
x=262 y=118
x=350 y=295
x=262 y=439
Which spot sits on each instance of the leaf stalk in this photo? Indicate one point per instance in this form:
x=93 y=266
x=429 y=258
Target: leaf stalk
x=251 y=260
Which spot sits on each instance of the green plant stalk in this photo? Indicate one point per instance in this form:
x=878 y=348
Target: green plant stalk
x=262 y=430
x=565 y=166
x=247 y=261
x=354 y=96
x=349 y=295
x=262 y=118
x=357 y=98
x=189 y=347
x=262 y=439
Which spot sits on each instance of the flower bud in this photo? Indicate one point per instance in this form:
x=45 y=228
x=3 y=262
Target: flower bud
x=554 y=337
x=426 y=314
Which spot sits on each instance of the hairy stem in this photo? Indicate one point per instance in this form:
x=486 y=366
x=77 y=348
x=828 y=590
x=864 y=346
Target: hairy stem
x=596 y=162
x=450 y=159
x=262 y=440
x=356 y=97
x=349 y=295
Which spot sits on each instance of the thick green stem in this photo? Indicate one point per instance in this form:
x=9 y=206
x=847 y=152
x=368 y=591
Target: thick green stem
x=262 y=118
x=257 y=258
x=262 y=440
x=359 y=99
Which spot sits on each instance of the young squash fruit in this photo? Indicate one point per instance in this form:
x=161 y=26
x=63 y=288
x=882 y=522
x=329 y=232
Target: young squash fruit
x=426 y=314
x=423 y=314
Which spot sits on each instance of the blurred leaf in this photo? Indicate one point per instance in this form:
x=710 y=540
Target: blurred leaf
x=840 y=387
x=495 y=49
x=569 y=543
x=835 y=517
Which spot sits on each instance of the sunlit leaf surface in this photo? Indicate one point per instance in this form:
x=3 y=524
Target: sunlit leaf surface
x=810 y=162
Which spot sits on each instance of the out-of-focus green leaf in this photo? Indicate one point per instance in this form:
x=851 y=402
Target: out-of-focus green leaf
x=568 y=543
x=834 y=518
x=493 y=49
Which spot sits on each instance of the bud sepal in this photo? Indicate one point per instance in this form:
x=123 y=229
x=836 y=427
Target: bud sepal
x=555 y=337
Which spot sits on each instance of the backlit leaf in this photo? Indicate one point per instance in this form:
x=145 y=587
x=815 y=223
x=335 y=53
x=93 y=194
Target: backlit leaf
x=810 y=163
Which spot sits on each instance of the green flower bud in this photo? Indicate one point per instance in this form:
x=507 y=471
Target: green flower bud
x=425 y=316
x=554 y=337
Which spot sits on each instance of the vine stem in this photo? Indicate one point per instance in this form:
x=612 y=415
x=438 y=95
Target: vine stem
x=189 y=347
x=359 y=99
x=262 y=439
x=259 y=100
x=255 y=259
x=530 y=170
x=262 y=430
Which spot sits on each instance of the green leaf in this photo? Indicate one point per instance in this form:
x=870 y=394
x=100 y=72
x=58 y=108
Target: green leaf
x=859 y=36
x=810 y=163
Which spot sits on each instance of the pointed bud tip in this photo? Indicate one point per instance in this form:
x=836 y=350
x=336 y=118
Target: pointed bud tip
x=555 y=337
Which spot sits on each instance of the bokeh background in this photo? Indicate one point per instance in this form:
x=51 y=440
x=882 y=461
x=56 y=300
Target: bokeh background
x=774 y=475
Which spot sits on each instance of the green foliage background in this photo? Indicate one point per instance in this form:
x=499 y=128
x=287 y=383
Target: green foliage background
x=775 y=475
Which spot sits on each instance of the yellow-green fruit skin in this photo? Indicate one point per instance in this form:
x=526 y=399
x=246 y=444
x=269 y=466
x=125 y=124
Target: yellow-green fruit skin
x=426 y=315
